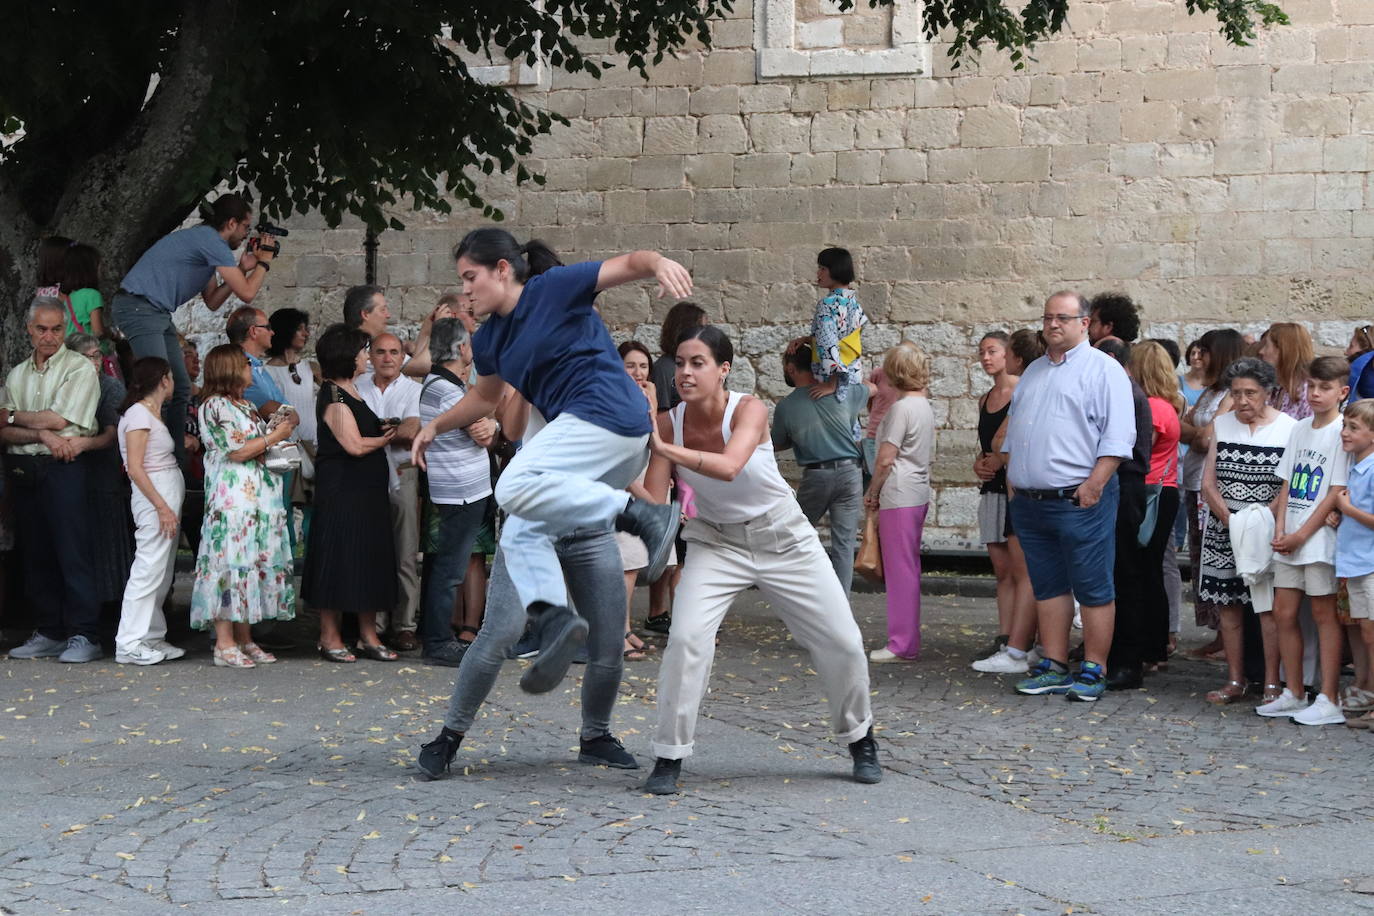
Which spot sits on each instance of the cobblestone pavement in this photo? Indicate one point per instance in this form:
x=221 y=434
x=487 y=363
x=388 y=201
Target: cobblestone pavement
x=291 y=788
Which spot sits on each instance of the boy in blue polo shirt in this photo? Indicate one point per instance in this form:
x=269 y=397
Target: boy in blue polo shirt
x=1355 y=536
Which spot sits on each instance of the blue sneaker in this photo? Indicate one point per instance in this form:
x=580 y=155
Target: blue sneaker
x=1044 y=679
x=1090 y=683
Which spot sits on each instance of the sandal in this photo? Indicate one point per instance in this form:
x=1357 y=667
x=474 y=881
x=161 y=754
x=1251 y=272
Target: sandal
x=1356 y=699
x=659 y=623
x=232 y=657
x=1223 y=696
x=340 y=655
x=378 y=652
x=257 y=654
x=1364 y=721
x=1271 y=693
x=467 y=629
x=633 y=653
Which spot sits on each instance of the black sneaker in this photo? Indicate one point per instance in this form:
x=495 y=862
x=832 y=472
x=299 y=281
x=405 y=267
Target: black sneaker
x=435 y=757
x=865 y=754
x=450 y=654
x=608 y=751
x=659 y=623
x=561 y=634
x=663 y=780
x=656 y=526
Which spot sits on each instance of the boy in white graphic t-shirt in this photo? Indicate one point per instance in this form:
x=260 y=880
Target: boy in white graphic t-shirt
x=1314 y=468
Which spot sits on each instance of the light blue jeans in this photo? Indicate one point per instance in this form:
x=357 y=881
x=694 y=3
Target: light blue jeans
x=571 y=475
x=590 y=559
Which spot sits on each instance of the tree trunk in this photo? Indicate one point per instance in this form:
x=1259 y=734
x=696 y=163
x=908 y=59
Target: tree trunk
x=122 y=200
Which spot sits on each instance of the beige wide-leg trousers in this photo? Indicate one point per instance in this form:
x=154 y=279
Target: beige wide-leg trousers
x=779 y=553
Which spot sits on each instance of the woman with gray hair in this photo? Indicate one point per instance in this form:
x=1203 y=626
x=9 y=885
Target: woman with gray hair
x=1245 y=447
x=459 y=487
x=113 y=541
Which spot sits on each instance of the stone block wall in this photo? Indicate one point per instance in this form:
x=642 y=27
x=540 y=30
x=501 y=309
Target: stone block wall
x=1138 y=151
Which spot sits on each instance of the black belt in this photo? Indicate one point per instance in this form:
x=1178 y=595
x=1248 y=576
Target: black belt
x=837 y=463
x=1066 y=493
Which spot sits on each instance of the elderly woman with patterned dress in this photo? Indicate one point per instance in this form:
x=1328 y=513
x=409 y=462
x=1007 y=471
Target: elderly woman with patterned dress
x=1244 y=448
x=243 y=567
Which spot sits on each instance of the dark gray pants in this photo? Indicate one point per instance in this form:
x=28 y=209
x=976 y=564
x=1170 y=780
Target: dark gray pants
x=838 y=491
x=591 y=565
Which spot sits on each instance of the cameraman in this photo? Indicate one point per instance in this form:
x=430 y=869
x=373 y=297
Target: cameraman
x=176 y=269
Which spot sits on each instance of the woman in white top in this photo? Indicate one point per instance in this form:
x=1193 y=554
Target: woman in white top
x=150 y=459
x=633 y=554
x=298 y=378
x=900 y=493
x=749 y=531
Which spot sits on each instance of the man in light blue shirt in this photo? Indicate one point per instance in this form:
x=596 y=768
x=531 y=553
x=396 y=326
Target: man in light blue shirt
x=248 y=328
x=1072 y=422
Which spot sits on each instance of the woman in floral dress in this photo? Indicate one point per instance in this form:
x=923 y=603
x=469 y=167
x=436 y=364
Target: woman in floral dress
x=243 y=568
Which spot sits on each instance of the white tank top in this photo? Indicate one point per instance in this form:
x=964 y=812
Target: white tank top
x=757 y=488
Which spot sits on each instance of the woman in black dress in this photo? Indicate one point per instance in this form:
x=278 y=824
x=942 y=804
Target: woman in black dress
x=350 y=560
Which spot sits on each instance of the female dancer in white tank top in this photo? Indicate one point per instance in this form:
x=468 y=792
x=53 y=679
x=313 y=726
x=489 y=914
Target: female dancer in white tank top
x=749 y=531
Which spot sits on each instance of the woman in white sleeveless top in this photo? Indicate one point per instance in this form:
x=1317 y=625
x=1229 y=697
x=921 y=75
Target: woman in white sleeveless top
x=749 y=531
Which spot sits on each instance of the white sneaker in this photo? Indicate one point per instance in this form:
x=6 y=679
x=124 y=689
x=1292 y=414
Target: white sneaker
x=885 y=655
x=1001 y=662
x=172 y=652
x=1321 y=712
x=1285 y=705
x=142 y=654
x=1077 y=617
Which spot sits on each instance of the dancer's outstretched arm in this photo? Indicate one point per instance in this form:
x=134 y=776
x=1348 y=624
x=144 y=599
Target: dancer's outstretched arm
x=749 y=432
x=673 y=279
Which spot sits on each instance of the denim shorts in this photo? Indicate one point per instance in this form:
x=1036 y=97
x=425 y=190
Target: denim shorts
x=1067 y=548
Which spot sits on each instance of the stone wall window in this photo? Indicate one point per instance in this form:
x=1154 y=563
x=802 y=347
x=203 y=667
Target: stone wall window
x=496 y=70
x=814 y=38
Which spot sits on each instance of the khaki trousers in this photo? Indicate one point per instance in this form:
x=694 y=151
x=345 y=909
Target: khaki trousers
x=779 y=553
x=405 y=532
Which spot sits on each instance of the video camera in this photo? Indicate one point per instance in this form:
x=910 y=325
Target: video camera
x=256 y=244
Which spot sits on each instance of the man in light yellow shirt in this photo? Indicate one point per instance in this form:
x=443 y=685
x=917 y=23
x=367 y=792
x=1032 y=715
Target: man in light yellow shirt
x=46 y=423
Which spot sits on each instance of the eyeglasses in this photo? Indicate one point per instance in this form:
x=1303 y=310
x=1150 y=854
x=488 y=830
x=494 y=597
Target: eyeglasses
x=1062 y=319
x=263 y=327
x=295 y=373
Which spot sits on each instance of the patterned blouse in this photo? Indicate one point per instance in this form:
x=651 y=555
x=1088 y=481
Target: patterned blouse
x=835 y=336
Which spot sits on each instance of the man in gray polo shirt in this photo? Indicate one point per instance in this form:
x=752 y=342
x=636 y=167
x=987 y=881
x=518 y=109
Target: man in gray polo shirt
x=179 y=267
x=820 y=432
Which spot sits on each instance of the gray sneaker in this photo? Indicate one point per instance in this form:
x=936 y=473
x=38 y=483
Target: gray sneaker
x=170 y=651
x=79 y=650
x=39 y=646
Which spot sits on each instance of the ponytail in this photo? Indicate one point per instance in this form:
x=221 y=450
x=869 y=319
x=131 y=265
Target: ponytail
x=539 y=256
x=488 y=247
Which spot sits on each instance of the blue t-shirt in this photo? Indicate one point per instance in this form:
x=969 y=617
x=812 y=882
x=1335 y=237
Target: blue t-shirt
x=264 y=388
x=178 y=266
x=556 y=351
x=1361 y=380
